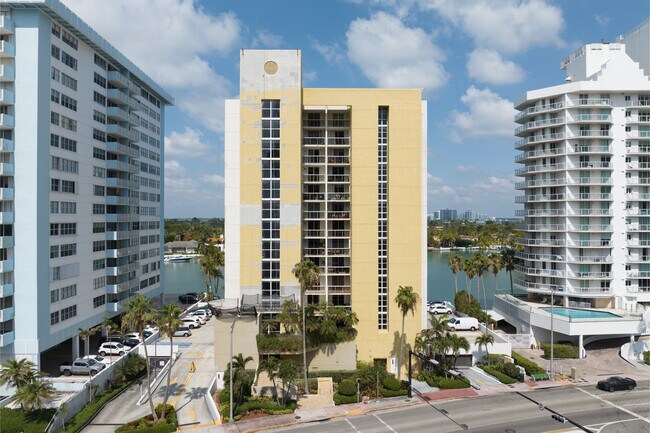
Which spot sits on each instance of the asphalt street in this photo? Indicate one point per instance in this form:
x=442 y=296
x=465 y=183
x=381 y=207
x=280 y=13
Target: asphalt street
x=599 y=411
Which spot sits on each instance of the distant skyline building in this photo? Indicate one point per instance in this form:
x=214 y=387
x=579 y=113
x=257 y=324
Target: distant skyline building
x=337 y=176
x=585 y=179
x=448 y=214
x=81 y=179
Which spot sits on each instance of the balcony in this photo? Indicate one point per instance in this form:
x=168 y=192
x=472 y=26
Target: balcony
x=117 y=130
x=134 y=89
x=6 y=193
x=638 y=181
x=590 y=196
x=540 y=138
x=313 y=141
x=134 y=135
x=339 y=141
x=6 y=97
x=541 y=242
x=125 y=201
x=596 y=243
x=540 y=212
x=6 y=169
x=118 y=235
x=313 y=196
x=590 y=102
x=6 y=145
x=637 y=149
x=118 y=79
x=313 y=159
x=122 y=149
x=540 y=153
x=313 y=215
x=539 y=257
x=638 y=243
x=115 y=307
x=122 y=166
x=591 y=181
x=117 y=97
x=591 y=133
x=339 y=215
x=121 y=217
x=6 y=314
x=591 y=118
x=636 y=165
x=540 y=182
x=591 y=228
x=7 y=242
x=590 y=275
x=538 y=109
x=118 y=114
x=6 y=290
x=581 y=165
x=590 y=259
x=116 y=182
x=539 y=124
x=7 y=49
x=338 y=197
x=596 y=212
x=6 y=25
x=7 y=338
x=313 y=234
x=338 y=178
x=6 y=121
x=637 y=258
x=638 y=227
x=641 y=212
x=6 y=217
x=545 y=227
x=638 y=119
x=539 y=271
x=538 y=198
x=6 y=265
x=540 y=168
x=638 y=134
x=313 y=178
x=638 y=274
x=592 y=149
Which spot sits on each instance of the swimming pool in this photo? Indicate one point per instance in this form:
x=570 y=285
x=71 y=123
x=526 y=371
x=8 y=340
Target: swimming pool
x=576 y=313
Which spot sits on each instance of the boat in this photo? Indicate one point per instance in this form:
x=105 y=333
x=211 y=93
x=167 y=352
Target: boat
x=177 y=259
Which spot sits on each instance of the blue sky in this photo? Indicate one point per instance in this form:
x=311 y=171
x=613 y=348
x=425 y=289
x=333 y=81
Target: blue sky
x=473 y=58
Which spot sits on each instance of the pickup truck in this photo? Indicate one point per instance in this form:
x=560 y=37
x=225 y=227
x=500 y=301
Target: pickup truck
x=82 y=366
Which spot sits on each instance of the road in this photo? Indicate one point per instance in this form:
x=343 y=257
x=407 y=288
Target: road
x=599 y=411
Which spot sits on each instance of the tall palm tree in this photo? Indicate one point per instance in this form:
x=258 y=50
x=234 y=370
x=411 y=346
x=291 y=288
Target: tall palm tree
x=469 y=267
x=110 y=327
x=457 y=343
x=508 y=260
x=85 y=335
x=34 y=394
x=496 y=264
x=169 y=320
x=407 y=301
x=308 y=274
x=455 y=263
x=482 y=265
x=139 y=313
x=484 y=340
x=238 y=370
x=17 y=372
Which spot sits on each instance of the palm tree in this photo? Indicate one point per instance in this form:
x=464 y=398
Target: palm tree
x=482 y=265
x=308 y=274
x=455 y=264
x=110 y=327
x=494 y=260
x=288 y=317
x=138 y=313
x=85 y=335
x=211 y=260
x=407 y=301
x=457 y=343
x=469 y=268
x=34 y=393
x=508 y=260
x=169 y=320
x=484 y=340
x=270 y=366
x=287 y=373
x=238 y=370
x=17 y=373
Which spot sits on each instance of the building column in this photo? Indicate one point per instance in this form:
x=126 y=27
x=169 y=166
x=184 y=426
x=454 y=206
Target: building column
x=565 y=300
x=75 y=347
x=581 y=349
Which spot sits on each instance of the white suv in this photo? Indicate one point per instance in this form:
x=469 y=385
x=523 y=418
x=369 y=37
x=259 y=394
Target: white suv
x=192 y=322
x=112 y=349
x=439 y=309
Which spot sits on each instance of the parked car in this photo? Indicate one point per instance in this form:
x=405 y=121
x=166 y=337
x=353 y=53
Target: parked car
x=207 y=310
x=616 y=383
x=99 y=359
x=132 y=336
x=462 y=324
x=439 y=309
x=442 y=303
x=148 y=332
x=81 y=366
x=200 y=314
x=183 y=331
x=112 y=348
x=191 y=322
x=188 y=298
x=131 y=342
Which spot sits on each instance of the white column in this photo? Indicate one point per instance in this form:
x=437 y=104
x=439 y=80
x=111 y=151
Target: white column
x=581 y=349
x=75 y=347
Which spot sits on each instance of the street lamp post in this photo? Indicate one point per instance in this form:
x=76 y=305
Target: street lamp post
x=231 y=420
x=552 y=305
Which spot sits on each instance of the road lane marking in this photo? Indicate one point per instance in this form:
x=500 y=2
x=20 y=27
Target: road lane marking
x=352 y=425
x=382 y=421
x=354 y=411
x=192 y=414
x=612 y=422
x=621 y=408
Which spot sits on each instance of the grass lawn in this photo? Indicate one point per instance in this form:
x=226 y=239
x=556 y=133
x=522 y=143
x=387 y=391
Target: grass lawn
x=15 y=421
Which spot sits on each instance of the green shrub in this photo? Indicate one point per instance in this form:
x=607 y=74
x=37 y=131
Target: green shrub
x=265 y=407
x=561 y=351
x=493 y=358
x=530 y=367
x=392 y=392
x=336 y=375
x=144 y=424
x=503 y=378
x=15 y=421
x=429 y=377
x=280 y=343
x=347 y=387
x=510 y=369
x=392 y=383
x=344 y=399
x=646 y=357
x=452 y=384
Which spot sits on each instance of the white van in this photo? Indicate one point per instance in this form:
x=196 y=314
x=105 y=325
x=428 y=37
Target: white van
x=462 y=324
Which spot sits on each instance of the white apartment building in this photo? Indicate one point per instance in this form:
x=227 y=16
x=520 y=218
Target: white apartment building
x=81 y=178
x=585 y=169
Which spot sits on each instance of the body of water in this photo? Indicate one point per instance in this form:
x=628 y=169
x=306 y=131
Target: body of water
x=187 y=277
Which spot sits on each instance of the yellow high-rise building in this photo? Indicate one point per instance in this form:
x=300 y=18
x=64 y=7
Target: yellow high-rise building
x=334 y=175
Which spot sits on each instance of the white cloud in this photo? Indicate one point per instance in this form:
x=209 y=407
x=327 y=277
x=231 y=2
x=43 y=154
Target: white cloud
x=487 y=66
x=390 y=54
x=214 y=179
x=508 y=26
x=464 y=168
x=332 y=52
x=267 y=39
x=432 y=180
x=173 y=168
x=602 y=20
x=170 y=42
x=488 y=115
x=188 y=143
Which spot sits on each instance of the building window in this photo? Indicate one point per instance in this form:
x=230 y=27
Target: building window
x=99 y=172
x=68 y=313
x=54 y=229
x=99 y=301
x=55 y=185
x=68 y=60
x=98 y=190
x=99 y=98
x=68 y=207
x=68 y=186
x=68 y=291
x=68 y=123
x=68 y=81
x=63 y=143
x=99 y=246
x=382 y=218
x=99 y=116
x=54 y=296
x=99 y=282
x=56 y=52
x=99 y=264
x=99 y=80
x=68 y=250
x=69 y=102
x=56 y=30
x=100 y=62
x=99 y=227
x=54 y=251
x=99 y=209
x=68 y=229
x=54 y=318
x=69 y=39
x=99 y=136
x=55 y=96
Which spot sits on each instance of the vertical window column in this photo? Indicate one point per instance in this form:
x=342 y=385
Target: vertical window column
x=382 y=219
x=271 y=202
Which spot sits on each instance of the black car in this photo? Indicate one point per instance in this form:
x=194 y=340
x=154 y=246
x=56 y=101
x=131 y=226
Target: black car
x=616 y=383
x=188 y=298
x=131 y=342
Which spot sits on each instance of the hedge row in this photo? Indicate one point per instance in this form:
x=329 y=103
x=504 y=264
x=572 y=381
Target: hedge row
x=391 y=392
x=452 y=384
x=530 y=367
x=561 y=351
x=16 y=421
x=646 y=357
x=344 y=399
x=503 y=378
x=141 y=425
x=280 y=343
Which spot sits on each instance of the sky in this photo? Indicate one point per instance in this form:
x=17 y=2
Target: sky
x=472 y=58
